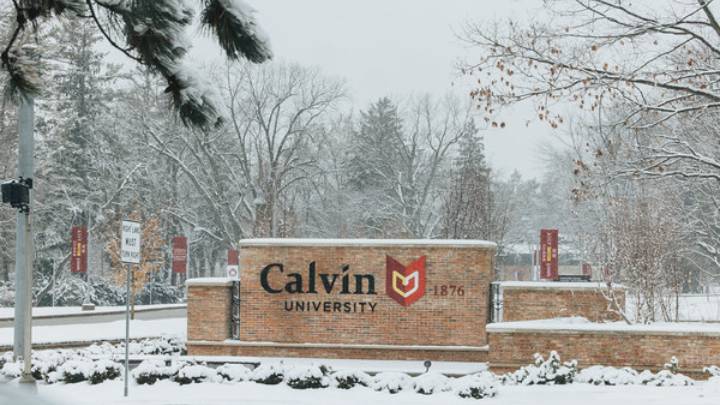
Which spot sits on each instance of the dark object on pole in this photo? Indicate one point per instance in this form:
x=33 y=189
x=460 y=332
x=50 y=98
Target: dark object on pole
x=17 y=194
x=427 y=365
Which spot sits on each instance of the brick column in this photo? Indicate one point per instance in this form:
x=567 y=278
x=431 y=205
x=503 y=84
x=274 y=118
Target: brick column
x=208 y=314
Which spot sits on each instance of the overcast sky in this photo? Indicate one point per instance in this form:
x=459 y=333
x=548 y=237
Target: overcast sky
x=397 y=47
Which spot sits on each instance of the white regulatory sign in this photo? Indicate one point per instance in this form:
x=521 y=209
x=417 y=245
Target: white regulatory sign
x=233 y=272
x=130 y=242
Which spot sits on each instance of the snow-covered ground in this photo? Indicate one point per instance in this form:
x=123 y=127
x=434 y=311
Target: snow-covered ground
x=8 y=312
x=248 y=393
x=100 y=331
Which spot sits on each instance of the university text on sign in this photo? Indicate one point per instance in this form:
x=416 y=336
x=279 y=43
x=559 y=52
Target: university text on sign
x=406 y=284
x=130 y=242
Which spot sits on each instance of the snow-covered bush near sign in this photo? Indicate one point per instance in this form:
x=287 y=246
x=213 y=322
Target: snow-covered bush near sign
x=430 y=383
x=166 y=345
x=477 y=386
x=391 y=382
x=195 y=373
x=234 y=372
x=73 y=371
x=666 y=378
x=346 y=379
x=550 y=371
x=45 y=362
x=602 y=375
x=104 y=370
x=7 y=294
x=11 y=370
x=152 y=370
x=5 y=358
x=307 y=377
x=268 y=373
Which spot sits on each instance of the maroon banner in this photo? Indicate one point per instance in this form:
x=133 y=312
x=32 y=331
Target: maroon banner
x=586 y=269
x=233 y=258
x=79 y=254
x=549 y=254
x=179 y=254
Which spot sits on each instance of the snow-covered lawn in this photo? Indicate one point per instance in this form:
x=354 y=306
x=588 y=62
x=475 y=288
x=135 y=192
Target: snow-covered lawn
x=248 y=393
x=100 y=331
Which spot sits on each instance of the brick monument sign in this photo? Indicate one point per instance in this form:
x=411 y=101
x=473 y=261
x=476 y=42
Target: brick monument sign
x=391 y=299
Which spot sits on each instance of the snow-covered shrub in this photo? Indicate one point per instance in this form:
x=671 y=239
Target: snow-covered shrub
x=268 y=373
x=550 y=371
x=74 y=371
x=160 y=293
x=104 y=370
x=346 y=379
x=666 y=378
x=45 y=362
x=5 y=358
x=673 y=365
x=391 y=382
x=714 y=371
x=195 y=373
x=305 y=377
x=11 y=370
x=152 y=370
x=477 y=386
x=601 y=375
x=430 y=383
x=166 y=344
x=234 y=372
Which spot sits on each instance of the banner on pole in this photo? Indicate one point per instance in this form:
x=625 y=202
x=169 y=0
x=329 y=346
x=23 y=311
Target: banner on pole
x=179 y=254
x=549 y=254
x=130 y=242
x=79 y=254
x=233 y=265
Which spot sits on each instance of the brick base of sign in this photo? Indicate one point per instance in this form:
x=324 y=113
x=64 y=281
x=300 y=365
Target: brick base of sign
x=509 y=350
x=328 y=351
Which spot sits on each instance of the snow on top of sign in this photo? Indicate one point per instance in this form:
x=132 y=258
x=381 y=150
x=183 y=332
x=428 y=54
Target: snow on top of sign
x=366 y=242
x=580 y=324
x=208 y=281
x=556 y=284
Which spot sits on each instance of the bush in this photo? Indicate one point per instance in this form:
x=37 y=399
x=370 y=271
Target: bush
x=475 y=386
x=346 y=379
x=234 y=372
x=45 y=362
x=305 y=377
x=195 y=373
x=601 y=375
x=391 y=382
x=270 y=374
x=75 y=371
x=152 y=370
x=549 y=371
x=104 y=370
x=714 y=371
x=11 y=370
x=666 y=378
x=429 y=383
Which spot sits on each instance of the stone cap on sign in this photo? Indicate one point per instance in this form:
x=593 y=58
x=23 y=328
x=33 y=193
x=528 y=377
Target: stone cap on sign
x=451 y=243
x=580 y=325
x=556 y=285
x=209 y=282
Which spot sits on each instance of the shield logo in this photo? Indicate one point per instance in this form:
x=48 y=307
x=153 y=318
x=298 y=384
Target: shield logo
x=405 y=284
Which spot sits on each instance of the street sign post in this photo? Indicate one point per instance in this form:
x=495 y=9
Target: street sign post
x=129 y=254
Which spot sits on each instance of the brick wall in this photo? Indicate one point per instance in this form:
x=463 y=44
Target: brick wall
x=542 y=300
x=509 y=350
x=433 y=320
x=208 y=309
x=339 y=352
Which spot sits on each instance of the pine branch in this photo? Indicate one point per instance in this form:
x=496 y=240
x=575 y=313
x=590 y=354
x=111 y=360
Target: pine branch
x=238 y=33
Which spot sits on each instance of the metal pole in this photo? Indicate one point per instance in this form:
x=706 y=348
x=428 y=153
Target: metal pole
x=22 y=343
x=127 y=328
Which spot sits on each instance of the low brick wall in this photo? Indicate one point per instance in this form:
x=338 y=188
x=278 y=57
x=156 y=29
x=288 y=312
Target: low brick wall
x=208 y=309
x=513 y=345
x=524 y=301
x=274 y=349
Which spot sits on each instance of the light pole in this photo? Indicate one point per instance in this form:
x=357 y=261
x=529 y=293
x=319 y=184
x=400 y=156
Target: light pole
x=22 y=343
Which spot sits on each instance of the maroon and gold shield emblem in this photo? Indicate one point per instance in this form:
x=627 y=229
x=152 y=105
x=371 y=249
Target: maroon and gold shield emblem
x=405 y=284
